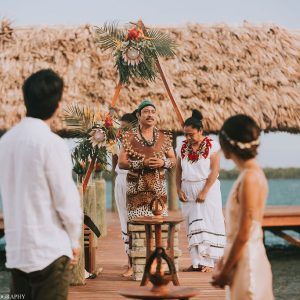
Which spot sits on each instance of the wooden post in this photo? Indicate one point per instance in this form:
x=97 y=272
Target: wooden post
x=77 y=273
x=101 y=205
x=172 y=190
x=116 y=94
x=169 y=92
x=113 y=200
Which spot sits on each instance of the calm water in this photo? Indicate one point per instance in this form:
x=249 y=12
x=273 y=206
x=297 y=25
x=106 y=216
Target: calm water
x=281 y=191
x=285 y=259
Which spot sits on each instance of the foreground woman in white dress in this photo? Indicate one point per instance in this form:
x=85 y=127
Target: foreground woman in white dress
x=245 y=266
x=127 y=121
x=199 y=191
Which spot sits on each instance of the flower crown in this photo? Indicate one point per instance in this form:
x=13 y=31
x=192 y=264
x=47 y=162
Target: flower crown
x=241 y=145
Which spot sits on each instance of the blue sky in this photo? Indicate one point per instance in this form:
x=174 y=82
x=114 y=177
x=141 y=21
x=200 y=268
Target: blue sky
x=166 y=12
x=277 y=149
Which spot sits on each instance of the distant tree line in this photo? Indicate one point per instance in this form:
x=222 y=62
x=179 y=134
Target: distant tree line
x=271 y=173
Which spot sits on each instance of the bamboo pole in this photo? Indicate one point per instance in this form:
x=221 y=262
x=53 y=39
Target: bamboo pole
x=113 y=200
x=172 y=190
x=101 y=205
x=77 y=273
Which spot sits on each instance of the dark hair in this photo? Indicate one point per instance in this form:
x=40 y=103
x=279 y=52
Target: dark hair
x=195 y=121
x=42 y=92
x=130 y=117
x=240 y=135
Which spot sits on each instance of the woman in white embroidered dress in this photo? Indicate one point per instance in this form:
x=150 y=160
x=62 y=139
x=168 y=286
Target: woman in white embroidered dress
x=126 y=121
x=199 y=191
x=245 y=266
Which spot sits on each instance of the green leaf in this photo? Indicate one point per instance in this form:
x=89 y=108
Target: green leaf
x=79 y=119
x=108 y=36
x=163 y=43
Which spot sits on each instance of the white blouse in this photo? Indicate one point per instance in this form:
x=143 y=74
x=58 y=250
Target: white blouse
x=199 y=170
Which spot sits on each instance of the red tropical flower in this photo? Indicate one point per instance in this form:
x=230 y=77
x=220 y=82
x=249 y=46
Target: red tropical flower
x=108 y=122
x=133 y=34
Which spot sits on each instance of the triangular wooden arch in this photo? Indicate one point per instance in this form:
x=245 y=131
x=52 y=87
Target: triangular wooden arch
x=114 y=101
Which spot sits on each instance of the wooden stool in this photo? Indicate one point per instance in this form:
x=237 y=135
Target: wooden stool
x=158 y=222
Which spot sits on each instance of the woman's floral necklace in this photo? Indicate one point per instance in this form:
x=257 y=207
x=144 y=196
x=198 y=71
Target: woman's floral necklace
x=194 y=156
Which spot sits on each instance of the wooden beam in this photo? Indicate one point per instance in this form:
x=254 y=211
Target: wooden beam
x=286 y=237
x=116 y=94
x=173 y=101
x=278 y=221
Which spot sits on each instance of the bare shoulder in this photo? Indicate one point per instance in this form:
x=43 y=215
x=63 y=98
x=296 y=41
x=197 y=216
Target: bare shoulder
x=254 y=187
x=254 y=177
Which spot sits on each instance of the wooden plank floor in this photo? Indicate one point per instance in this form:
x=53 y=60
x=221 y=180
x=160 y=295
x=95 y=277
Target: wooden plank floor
x=281 y=216
x=111 y=256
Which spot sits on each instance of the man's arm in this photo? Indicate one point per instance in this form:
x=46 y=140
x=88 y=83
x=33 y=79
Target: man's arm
x=123 y=161
x=170 y=155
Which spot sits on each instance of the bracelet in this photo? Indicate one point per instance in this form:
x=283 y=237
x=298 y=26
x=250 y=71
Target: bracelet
x=168 y=164
x=136 y=164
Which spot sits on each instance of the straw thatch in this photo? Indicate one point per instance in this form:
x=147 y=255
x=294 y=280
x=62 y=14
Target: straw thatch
x=218 y=69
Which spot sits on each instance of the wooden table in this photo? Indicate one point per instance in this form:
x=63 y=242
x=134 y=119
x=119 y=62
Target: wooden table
x=158 y=222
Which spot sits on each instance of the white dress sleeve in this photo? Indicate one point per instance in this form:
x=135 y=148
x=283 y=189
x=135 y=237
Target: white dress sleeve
x=215 y=147
x=178 y=150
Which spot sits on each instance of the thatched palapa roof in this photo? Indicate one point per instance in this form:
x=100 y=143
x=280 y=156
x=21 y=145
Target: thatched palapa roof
x=219 y=69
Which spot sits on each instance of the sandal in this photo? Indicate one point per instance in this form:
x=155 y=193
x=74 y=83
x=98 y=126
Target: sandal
x=192 y=269
x=88 y=275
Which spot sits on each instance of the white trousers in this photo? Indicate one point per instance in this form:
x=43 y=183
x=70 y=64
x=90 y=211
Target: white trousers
x=120 y=197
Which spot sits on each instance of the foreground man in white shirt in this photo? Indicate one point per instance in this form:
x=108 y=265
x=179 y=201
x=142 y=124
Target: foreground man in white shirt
x=41 y=205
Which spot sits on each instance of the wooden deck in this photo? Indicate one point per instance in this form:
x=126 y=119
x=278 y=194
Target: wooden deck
x=277 y=219
x=281 y=216
x=111 y=256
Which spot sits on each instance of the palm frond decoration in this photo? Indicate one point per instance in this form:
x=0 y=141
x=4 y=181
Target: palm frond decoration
x=162 y=42
x=96 y=136
x=109 y=36
x=79 y=119
x=135 y=50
